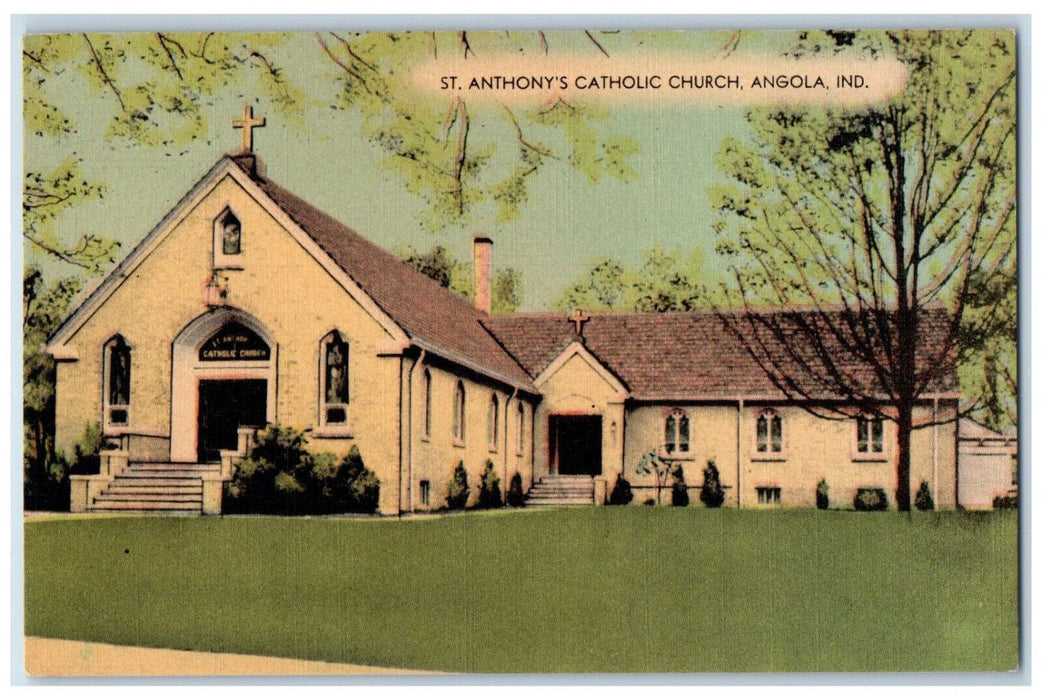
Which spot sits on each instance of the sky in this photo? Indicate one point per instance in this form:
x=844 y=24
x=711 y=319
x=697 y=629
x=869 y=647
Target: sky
x=567 y=225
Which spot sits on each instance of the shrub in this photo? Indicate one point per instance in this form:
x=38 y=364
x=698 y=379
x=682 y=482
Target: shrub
x=459 y=491
x=821 y=495
x=680 y=497
x=516 y=492
x=87 y=451
x=46 y=487
x=280 y=476
x=712 y=494
x=649 y=502
x=355 y=488
x=923 y=497
x=870 y=499
x=489 y=493
x=1004 y=502
x=621 y=494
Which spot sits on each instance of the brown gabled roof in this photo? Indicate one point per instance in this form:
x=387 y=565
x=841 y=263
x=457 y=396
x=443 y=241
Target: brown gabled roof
x=670 y=356
x=430 y=314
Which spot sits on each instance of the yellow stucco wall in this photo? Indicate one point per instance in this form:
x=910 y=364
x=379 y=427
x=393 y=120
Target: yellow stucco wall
x=813 y=448
x=436 y=454
x=280 y=285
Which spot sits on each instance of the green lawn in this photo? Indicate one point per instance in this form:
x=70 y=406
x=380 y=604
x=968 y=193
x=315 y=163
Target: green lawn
x=587 y=589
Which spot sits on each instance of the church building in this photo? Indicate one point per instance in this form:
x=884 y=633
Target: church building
x=248 y=306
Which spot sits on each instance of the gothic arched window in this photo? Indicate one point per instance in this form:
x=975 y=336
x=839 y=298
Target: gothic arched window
x=493 y=421
x=426 y=403
x=117 y=382
x=677 y=432
x=335 y=379
x=459 y=431
x=769 y=432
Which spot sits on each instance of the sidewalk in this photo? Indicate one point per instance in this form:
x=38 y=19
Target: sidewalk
x=59 y=657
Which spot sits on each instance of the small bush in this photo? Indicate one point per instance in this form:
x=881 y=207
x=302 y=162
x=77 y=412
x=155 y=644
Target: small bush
x=649 y=502
x=489 y=493
x=516 y=492
x=821 y=495
x=87 y=451
x=1009 y=501
x=622 y=493
x=46 y=487
x=459 y=490
x=870 y=499
x=680 y=497
x=355 y=489
x=712 y=494
x=923 y=497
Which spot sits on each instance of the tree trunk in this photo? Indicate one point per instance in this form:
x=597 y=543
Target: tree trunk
x=904 y=456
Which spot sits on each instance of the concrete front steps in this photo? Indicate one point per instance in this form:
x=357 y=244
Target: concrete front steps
x=562 y=490
x=148 y=487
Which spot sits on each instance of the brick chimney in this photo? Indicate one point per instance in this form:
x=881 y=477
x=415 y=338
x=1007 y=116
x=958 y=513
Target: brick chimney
x=483 y=273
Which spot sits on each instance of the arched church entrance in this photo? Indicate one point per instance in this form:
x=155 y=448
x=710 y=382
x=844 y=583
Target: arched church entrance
x=223 y=379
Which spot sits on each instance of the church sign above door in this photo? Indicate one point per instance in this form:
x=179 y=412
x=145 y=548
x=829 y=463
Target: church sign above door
x=234 y=342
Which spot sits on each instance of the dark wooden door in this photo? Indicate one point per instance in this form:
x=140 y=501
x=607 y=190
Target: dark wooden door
x=224 y=407
x=575 y=443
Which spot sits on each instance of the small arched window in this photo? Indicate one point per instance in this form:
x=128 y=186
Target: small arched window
x=677 y=432
x=227 y=239
x=769 y=433
x=335 y=354
x=459 y=413
x=493 y=421
x=117 y=382
x=426 y=403
x=520 y=428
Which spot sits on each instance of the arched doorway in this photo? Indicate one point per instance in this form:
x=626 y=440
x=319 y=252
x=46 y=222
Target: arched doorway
x=223 y=378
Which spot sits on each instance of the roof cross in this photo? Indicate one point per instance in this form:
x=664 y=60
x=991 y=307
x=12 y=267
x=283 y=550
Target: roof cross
x=247 y=124
x=579 y=318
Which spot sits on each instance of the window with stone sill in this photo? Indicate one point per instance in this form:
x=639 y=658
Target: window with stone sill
x=769 y=434
x=335 y=355
x=677 y=433
x=869 y=438
x=116 y=364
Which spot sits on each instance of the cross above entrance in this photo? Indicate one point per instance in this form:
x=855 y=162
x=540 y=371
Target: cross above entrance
x=247 y=124
x=579 y=318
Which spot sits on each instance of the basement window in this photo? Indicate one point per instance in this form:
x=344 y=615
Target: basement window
x=768 y=494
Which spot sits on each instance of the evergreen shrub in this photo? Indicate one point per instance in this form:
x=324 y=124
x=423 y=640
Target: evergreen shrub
x=712 y=494
x=621 y=493
x=459 y=490
x=516 y=492
x=489 y=493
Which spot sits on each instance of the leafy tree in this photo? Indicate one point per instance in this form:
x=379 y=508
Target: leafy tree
x=146 y=90
x=444 y=268
x=663 y=282
x=43 y=307
x=869 y=218
x=661 y=469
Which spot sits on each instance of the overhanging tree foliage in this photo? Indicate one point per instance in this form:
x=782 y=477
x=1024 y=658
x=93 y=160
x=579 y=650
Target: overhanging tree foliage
x=867 y=218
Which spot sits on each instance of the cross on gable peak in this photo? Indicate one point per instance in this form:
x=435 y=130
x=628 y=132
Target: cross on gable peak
x=247 y=124
x=578 y=317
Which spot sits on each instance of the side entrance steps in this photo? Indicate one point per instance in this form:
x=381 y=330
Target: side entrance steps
x=562 y=490
x=149 y=487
